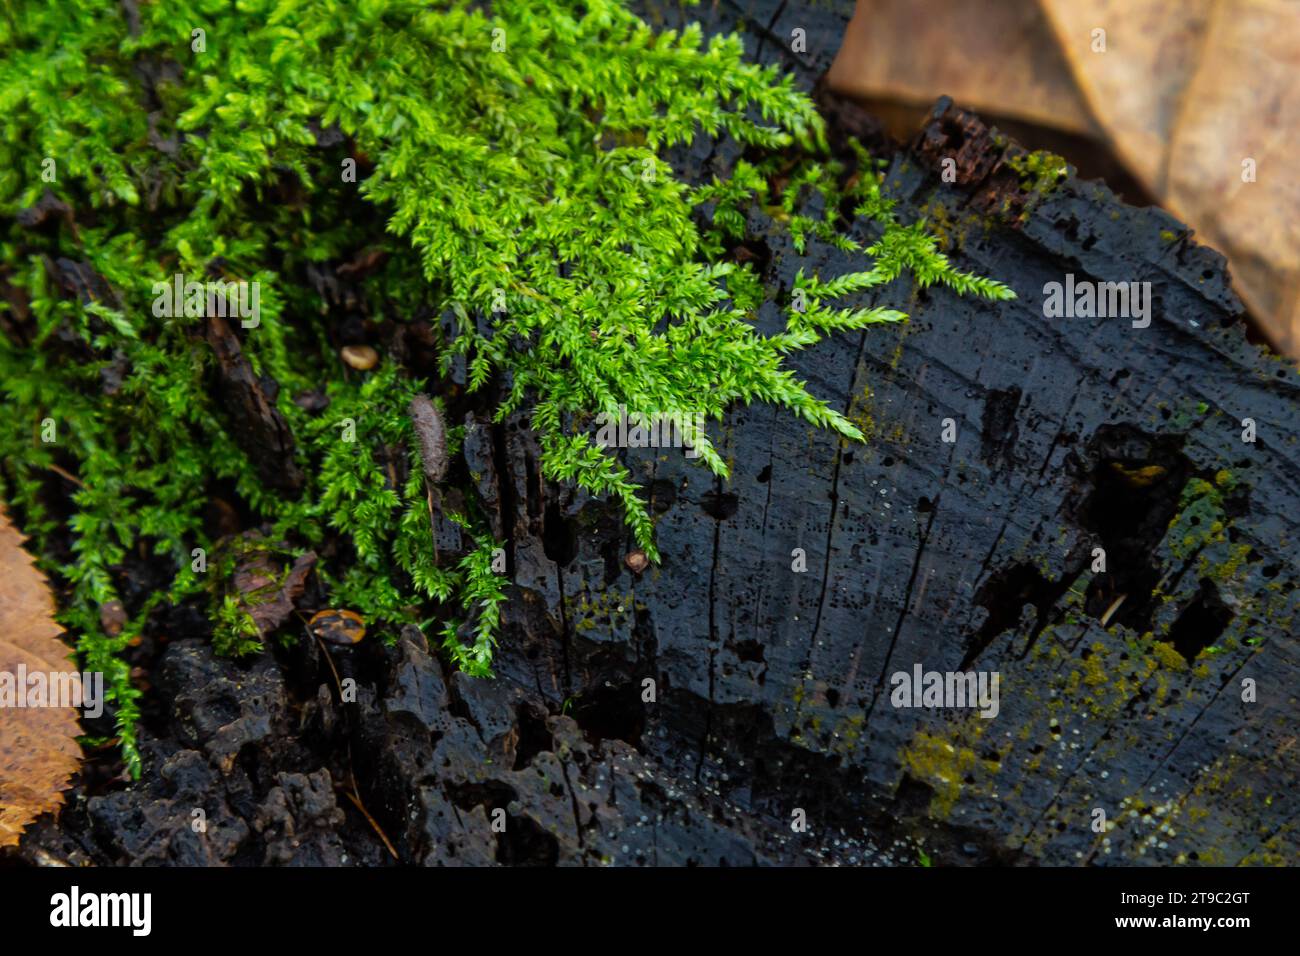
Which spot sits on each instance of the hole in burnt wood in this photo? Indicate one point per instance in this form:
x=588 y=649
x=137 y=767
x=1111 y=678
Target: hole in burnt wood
x=954 y=133
x=612 y=712
x=720 y=505
x=1136 y=481
x=663 y=495
x=533 y=739
x=1069 y=227
x=912 y=798
x=559 y=537
x=1202 y=622
x=1004 y=595
x=524 y=843
x=750 y=651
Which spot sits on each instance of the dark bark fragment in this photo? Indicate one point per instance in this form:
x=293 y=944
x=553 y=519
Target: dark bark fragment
x=259 y=428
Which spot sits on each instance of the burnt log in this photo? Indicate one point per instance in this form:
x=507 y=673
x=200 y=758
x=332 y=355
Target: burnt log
x=697 y=710
x=1158 y=692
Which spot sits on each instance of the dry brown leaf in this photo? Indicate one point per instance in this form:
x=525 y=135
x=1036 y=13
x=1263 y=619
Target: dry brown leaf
x=266 y=591
x=38 y=747
x=988 y=55
x=1244 y=103
x=1136 y=86
x=1186 y=91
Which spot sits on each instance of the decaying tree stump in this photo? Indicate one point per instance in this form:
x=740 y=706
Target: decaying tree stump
x=1125 y=690
x=695 y=711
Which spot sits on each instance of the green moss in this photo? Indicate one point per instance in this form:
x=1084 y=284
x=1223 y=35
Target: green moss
x=234 y=632
x=1094 y=673
x=860 y=412
x=943 y=226
x=513 y=189
x=1041 y=172
x=604 y=613
x=1168 y=657
x=1199 y=519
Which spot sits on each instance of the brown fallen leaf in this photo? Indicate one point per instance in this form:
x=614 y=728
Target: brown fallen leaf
x=988 y=55
x=1243 y=106
x=266 y=591
x=1188 y=92
x=1135 y=87
x=38 y=746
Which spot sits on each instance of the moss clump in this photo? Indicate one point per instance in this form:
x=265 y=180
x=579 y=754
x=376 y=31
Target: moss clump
x=1040 y=172
x=1168 y=656
x=496 y=183
x=945 y=765
x=1200 y=519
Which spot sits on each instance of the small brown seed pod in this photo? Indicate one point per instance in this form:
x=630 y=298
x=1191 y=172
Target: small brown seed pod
x=112 y=617
x=432 y=434
x=361 y=357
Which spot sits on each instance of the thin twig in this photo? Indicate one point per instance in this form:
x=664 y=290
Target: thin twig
x=352 y=794
x=66 y=474
x=1114 y=606
x=356 y=801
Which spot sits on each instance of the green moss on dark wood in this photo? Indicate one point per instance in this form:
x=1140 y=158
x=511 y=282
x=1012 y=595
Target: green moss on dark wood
x=513 y=187
x=1041 y=172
